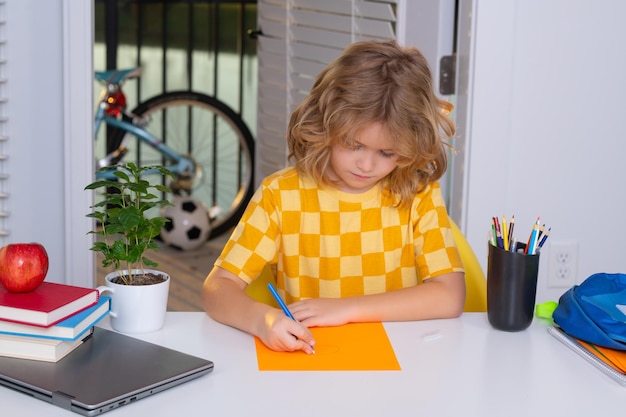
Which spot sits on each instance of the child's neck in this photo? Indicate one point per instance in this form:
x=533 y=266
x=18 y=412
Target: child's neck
x=352 y=196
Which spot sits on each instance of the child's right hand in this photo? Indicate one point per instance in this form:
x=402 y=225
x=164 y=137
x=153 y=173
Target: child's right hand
x=280 y=333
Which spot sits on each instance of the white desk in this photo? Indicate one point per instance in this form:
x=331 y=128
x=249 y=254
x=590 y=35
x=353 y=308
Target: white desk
x=459 y=367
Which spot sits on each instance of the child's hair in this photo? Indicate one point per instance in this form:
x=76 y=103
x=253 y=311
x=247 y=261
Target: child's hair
x=375 y=82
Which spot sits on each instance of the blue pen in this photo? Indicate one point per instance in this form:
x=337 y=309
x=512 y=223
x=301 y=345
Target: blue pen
x=282 y=305
x=280 y=301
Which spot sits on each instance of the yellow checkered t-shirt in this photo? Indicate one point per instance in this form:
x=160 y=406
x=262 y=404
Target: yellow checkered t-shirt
x=329 y=243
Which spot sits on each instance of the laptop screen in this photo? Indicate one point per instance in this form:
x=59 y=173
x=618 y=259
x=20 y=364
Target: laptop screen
x=107 y=371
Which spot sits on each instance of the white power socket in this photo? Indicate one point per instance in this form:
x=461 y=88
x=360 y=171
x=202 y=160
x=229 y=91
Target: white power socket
x=563 y=264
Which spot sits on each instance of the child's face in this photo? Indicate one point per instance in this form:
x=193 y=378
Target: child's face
x=359 y=168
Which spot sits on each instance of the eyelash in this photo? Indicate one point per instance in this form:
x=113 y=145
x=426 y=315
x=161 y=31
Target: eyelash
x=384 y=154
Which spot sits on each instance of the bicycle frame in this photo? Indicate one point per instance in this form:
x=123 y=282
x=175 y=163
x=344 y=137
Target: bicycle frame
x=200 y=139
x=182 y=163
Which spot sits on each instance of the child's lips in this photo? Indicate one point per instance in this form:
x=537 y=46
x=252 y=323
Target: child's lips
x=361 y=177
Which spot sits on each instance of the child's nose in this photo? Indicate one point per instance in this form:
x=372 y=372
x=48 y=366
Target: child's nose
x=365 y=162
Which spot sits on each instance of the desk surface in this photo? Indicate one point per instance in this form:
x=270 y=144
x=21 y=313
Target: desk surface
x=449 y=368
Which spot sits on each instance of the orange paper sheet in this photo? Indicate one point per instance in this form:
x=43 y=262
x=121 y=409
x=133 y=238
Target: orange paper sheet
x=613 y=358
x=352 y=347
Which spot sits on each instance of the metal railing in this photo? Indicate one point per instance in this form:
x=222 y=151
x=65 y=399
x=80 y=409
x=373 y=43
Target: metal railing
x=196 y=45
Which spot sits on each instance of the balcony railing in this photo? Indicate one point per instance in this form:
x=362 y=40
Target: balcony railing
x=198 y=45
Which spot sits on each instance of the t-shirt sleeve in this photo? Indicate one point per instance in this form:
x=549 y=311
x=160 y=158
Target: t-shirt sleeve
x=253 y=243
x=435 y=249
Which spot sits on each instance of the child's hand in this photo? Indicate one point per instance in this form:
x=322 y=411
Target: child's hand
x=280 y=333
x=320 y=312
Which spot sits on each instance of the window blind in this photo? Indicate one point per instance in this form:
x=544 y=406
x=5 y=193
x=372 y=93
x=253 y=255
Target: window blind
x=299 y=39
x=4 y=214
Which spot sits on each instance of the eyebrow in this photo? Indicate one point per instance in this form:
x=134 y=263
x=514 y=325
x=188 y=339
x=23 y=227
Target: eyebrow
x=380 y=149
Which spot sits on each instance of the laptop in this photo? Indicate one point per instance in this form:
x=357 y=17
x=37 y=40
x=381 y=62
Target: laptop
x=107 y=371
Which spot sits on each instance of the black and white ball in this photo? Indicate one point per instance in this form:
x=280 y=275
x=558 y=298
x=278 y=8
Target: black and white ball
x=189 y=225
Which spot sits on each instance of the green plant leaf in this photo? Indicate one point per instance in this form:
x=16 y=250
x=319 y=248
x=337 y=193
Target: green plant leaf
x=121 y=175
x=122 y=211
x=149 y=262
x=129 y=218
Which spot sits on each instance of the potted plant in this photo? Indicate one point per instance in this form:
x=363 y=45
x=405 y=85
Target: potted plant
x=126 y=233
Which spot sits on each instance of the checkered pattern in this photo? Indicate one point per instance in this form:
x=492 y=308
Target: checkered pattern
x=327 y=243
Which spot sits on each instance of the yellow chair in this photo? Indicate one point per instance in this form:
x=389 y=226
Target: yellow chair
x=475 y=283
x=258 y=288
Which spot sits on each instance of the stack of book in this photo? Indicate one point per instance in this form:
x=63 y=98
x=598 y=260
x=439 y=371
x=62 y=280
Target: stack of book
x=48 y=323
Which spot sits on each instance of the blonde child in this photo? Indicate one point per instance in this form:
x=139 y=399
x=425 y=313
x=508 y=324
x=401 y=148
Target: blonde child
x=357 y=228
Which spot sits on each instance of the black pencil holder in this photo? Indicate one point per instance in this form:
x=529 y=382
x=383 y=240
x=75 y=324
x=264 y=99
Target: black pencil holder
x=511 y=288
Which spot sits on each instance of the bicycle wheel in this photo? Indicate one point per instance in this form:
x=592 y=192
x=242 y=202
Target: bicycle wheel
x=214 y=136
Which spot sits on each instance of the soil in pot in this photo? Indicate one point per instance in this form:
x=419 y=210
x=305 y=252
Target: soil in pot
x=145 y=279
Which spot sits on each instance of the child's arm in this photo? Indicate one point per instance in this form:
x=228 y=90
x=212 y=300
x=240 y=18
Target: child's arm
x=225 y=300
x=439 y=297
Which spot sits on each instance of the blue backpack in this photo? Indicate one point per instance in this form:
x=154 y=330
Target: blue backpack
x=595 y=311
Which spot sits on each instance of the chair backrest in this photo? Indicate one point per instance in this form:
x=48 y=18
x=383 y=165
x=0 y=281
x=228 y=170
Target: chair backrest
x=475 y=283
x=258 y=288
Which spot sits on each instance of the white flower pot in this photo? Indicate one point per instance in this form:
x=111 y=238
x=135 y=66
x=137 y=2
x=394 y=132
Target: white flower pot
x=137 y=308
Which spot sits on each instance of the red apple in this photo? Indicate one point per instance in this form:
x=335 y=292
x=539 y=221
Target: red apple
x=23 y=266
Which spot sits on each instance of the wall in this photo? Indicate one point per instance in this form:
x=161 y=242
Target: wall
x=50 y=111
x=544 y=88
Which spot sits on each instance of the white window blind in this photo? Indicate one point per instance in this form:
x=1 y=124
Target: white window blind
x=4 y=214
x=299 y=39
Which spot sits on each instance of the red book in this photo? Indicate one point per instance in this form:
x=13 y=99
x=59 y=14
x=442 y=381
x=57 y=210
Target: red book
x=46 y=305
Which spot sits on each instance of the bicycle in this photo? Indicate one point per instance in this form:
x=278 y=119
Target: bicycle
x=199 y=138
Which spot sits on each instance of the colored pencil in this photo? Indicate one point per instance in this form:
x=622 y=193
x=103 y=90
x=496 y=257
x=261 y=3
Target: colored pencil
x=502 y=235
x=505 y=234
x=533 y=234
x=511 y=226
x=545 y=237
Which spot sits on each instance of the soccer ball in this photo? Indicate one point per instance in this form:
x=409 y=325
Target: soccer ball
x=189 y=225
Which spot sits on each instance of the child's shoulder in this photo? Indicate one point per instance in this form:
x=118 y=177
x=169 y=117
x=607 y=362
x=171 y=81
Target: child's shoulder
x=428 y=198
x=274 y=180
x=430 y=188
x=287 y=179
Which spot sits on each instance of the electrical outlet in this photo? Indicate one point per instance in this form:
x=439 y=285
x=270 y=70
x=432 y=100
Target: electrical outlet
x=562 y=264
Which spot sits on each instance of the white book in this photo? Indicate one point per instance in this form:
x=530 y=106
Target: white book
x=37 y=348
